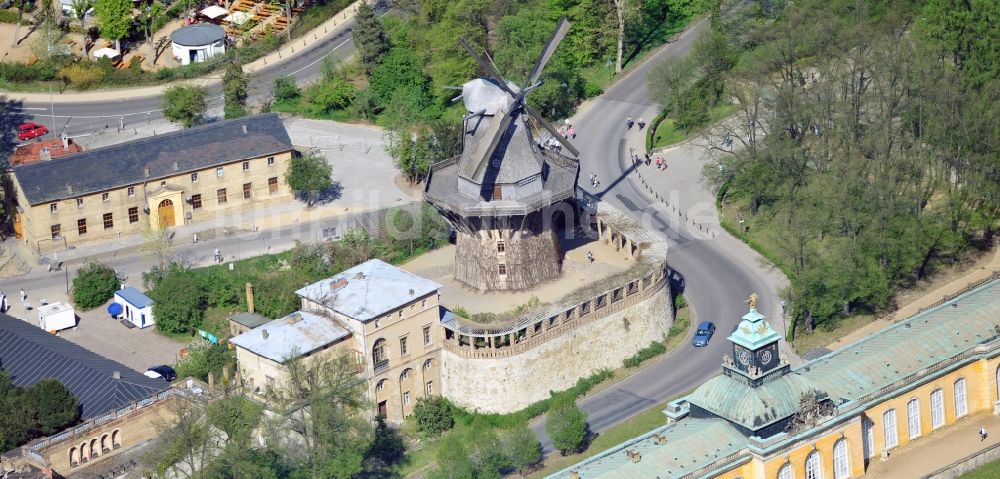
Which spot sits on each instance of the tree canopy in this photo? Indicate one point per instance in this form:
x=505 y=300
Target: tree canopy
x=93 y=285
x=309 y=173
x=370 y=37
x=566 y=424
x=234 y=89
x=185 y=104
x=114 y=18
x=39 y=410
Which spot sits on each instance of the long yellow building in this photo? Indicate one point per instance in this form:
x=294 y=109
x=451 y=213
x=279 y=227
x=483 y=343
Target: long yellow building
x=158 y=182
x=828 y=418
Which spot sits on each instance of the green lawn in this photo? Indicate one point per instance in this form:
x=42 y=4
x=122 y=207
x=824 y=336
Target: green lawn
x=990 y=470
x=667 y=135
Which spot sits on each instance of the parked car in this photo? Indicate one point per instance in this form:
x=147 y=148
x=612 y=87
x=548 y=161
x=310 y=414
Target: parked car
x=161 y=371
x=31 y=130
x=704 y=333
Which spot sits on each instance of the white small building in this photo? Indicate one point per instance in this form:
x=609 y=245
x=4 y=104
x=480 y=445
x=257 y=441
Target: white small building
x=56 y=317
x=137 y=308
x=198 y=43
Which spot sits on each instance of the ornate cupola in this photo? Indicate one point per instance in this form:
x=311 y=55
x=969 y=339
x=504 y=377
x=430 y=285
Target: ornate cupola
x=755 y=356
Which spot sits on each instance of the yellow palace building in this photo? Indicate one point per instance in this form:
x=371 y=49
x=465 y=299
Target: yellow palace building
x=828 y=418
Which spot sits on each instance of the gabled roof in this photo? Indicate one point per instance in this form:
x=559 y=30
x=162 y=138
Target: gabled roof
x=31 y=354
x=134 y=297
x=368 y=290
x=124 y=164
x=301 y=332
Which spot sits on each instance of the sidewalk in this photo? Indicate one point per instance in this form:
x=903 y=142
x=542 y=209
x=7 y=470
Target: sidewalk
x=937 y=450
x=317 y=35
x=926 y=301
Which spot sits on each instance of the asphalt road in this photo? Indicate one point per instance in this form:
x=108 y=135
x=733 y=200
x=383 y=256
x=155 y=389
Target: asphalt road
x=715 y=282
x=78 y=118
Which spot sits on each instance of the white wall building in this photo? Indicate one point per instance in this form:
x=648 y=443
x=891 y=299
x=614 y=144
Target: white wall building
x=198 y=43
x=137 y=308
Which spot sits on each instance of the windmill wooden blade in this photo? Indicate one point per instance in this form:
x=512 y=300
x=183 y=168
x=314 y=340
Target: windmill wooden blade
x=548 y=126
x=480 y=160
x=549 y=49
x=487 y=66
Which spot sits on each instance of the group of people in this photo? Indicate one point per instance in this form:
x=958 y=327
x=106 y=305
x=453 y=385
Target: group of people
x=629 y=123
x=594 y=181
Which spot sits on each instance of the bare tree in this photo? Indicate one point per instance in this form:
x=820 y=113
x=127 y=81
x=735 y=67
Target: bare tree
x=620 y=11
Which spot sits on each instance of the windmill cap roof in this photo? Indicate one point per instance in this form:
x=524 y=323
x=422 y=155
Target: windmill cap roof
x=483 y=94
x=197 y=35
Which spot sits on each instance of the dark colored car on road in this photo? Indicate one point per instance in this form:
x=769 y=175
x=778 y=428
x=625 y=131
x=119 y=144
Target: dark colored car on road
x=704 y=333
x=31 y=130
x=162 y=371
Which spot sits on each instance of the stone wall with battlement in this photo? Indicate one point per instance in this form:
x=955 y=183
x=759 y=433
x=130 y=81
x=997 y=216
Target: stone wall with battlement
x=504 y=368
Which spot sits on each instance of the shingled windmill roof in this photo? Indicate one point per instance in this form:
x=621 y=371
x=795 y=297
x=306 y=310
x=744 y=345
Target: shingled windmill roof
x=31 y=354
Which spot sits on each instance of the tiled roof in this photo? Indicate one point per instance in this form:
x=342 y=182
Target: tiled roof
x=368 y=290
x=298 y=333
x=124 y=164
x=134 y=297
x=31 y=354
x=690 y=445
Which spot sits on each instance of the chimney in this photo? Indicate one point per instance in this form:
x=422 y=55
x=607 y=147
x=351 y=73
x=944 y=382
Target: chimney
x=69 y=189
x=211 y=380
x=65 y=141
x=263 y=333
x=145 y=171
x=359 y=275
x=176 y=166
x=244 y=129
x=250 y=298
x=295 y=317
x=574 y=475
x=659 y=439
x=45 y=154
x=412 y=292
x=116 y=374
x=340 y=283
x=633 y=456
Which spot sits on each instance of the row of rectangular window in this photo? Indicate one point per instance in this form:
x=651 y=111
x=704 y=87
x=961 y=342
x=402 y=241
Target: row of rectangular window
x=219 y=173
x=380 y=354
x=108 y=220
x=272 y=187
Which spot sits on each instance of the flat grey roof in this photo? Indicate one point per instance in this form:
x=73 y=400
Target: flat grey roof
x=124 y=164
x=301 y=332
x=368 y=290
x=31 y=354
x=250 y=320
x=199 y=34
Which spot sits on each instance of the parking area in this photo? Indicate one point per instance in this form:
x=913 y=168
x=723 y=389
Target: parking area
x=136 y=348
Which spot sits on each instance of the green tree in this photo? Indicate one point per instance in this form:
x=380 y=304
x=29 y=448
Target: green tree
x=369 y=37
x=285 y=88
x=566 y=424
x=114 y=18
x=433 y=416
x=309 y=173
x=179 y=301
x=522 y=448
x=185 y=104
x=453 y=459
x=399 y=85
x=234 y=88
x=327 y=96
x=56 y=407
x=386 y=450
x=80 y=8
x=93 y=285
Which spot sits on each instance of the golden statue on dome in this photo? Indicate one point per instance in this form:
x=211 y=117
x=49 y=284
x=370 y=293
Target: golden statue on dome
x=752 y=300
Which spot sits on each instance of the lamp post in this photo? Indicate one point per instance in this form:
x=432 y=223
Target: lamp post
x=611 y=73
x=413 y=159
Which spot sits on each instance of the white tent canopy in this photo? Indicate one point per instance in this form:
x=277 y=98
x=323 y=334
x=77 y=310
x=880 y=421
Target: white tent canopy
x=106 y=52
x=238 y=18
x=214 y=12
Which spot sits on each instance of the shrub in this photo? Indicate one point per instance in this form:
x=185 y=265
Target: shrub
x=325 y=97
x=93 y=285
x=20 y=72
x=204 y=357
x=285 y=88
x=83 y=75
x=434 y=416
x=179 y=301
x=654 y=349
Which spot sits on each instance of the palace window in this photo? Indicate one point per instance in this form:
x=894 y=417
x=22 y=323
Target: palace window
x=841 y=466
x=131 y=191
x=913 y=418
x=53 y=207
x=502 y=269
x=194 y=177
x=133 y=214
x=406 y=397
x=813 y=467
x=785 y=472
x=270 y=160
x=218 y=172
x=937 y=408
x=427 y=335
x=109 y=221
x=430 y=388
x=889 y=429
x=105 y=196
x=381 y=385
x=403 y=350
x=247 y=190
x=246 y=166
x=79 y=202
x=379 y=352
x=272 y=185
x=81 y=226
x=56 y=231
x=220 y=194
x=195 y=202
x=961 y=406
x=501 y=247
x=405 y=375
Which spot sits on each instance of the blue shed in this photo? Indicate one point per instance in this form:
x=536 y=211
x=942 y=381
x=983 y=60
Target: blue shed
x=137 y=308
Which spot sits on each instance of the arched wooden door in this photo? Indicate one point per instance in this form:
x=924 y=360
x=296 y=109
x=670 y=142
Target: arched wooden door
x=165 y=211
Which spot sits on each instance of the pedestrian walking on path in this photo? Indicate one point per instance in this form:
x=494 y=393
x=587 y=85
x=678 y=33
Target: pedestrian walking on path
x=642 y=123
x=982 y=433
x=218 y=255
x=24 y=296
x=590 y=256
x=628 y=123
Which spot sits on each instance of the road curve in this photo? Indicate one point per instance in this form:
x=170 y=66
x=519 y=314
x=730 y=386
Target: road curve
x=715 y=282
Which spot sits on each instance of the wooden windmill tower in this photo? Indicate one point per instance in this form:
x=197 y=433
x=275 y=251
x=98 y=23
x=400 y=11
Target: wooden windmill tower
x=499 y=193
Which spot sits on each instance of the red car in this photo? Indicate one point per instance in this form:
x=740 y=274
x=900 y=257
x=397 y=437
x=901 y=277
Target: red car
x=31 y=130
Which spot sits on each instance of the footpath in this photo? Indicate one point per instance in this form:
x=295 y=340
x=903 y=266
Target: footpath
x=328 y=29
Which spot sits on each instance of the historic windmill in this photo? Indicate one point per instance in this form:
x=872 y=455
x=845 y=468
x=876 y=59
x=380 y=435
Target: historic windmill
x=499 y=191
